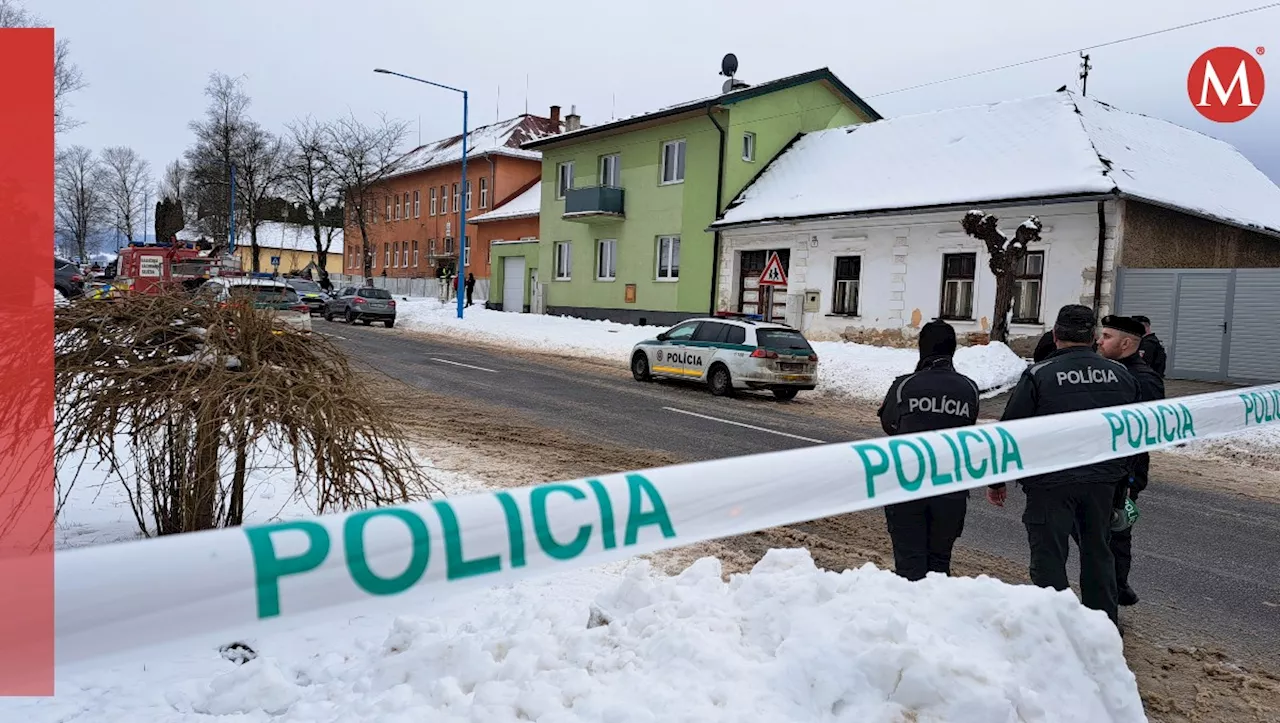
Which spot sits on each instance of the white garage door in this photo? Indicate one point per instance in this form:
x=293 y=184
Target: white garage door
x=513 y=283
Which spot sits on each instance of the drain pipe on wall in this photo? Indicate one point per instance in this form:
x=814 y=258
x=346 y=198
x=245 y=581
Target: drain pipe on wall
x=1102 y=250
x=715 y=254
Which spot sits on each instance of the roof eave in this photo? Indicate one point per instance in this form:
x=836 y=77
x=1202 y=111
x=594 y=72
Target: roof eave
x=1273 y=233
x=531 y=214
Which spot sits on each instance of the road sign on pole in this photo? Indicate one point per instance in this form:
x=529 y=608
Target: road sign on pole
x=275 y=260
x=773 y=274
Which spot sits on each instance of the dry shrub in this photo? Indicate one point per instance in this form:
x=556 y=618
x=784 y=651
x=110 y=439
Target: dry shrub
x=199 y=394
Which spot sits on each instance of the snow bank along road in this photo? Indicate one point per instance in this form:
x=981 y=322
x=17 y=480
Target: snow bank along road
x=1204 y=561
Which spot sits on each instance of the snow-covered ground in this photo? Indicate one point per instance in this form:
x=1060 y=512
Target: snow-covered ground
x=844 y=369
x=623 y=642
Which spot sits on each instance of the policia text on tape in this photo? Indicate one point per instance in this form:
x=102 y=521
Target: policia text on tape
x=133 y=594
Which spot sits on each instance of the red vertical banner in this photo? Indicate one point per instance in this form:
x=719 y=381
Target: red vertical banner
x=26 y=363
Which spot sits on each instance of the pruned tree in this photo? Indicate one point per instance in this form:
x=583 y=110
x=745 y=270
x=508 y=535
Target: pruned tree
x=312 y=184
x=80 y=207
x=259 y=158
x=67 y=78
x=361 y=158
x=169 y=219
x=1004 y=253
x=209 y=160
x=128 y=180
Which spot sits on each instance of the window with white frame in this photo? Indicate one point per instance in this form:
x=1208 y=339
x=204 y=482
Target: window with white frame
x=668 y=258
x=564 y=178
x=484 y=193
x=456 y=204
x=417 y=204
x=606 y=259
x=748 y=146
x=468 y=195
x=611 y=170
x=564 y=261
x=448 y=244
x=444 y=201
x=406 y=206
x=431 y=247
x=958 y=271
x=673 y=161
x=466 y=252
x=386 y=255
x=399 y=254
x=415 y=254
x=397 y=216
x=388 y=216
x=844 y=297
x=1027 y=284
x=431 y=202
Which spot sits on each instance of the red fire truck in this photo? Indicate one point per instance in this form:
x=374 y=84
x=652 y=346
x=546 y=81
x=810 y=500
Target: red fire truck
x=150 y=269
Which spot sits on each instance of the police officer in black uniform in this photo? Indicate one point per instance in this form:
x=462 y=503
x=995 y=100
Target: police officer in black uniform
x=935 y=396
x=1151 y=349
x=1073 y=378
x=1121 y=339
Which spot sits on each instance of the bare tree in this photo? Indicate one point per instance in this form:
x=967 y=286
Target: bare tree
x=1004 y=253
x=361 y=158
x=173 y=184
x=311 y=182
x=67 y=78
x=128 y=183
x=80 y=200
x=209 y=161
x=259 y=159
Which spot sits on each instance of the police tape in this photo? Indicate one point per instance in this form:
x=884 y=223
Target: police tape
x=137 y=594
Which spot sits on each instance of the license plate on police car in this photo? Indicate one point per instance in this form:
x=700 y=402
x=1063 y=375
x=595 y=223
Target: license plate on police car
x=795 y=377
x=791 y=367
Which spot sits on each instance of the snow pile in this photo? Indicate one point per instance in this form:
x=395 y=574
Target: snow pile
x=1255 y=447
x=845 y=369
x=787 y=642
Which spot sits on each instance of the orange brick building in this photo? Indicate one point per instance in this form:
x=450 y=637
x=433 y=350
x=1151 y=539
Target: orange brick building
x=514 y=220
x=414 y=231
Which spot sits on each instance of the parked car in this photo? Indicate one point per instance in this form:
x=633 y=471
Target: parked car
x=729 y=354
x=67 y=278
x=364 y=304
x=269 y=295
x=310 y=293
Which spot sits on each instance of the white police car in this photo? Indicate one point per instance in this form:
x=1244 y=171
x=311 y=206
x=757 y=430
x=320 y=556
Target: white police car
x=729 y=354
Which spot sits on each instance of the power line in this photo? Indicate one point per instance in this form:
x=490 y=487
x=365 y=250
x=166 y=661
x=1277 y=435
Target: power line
x=1078 y=50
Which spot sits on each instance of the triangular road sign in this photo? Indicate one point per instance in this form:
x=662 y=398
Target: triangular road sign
x=773 y=274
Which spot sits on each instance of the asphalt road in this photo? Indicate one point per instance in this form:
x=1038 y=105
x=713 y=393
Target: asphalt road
x=1205 y=562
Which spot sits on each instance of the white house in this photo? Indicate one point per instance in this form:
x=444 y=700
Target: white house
x=866 y=219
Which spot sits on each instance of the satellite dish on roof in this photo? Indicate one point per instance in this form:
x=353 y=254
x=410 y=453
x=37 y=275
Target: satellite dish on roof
x=729 y=65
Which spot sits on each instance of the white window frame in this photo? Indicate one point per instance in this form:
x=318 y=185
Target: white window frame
x=749 y=147
x=564 y=179
x=388 y=216
x=1019 y=282
x=417 y=203
x=484 y=193
x=563 y=260
x=611 y=179
x=431 y=203
x=405 y=217
x=386 y=255
x=468 y=193
x=465 y=259
x=415 y=254
x=664 y=259
x=681 y=162
x=444 y=200
x=607 y=250
x=973 y=287
x=457 y=200
x=836 y=281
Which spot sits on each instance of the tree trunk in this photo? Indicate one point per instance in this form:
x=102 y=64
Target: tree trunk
x=201 y=491
x=253 y=246
x=235 y=507
x=1004 y=303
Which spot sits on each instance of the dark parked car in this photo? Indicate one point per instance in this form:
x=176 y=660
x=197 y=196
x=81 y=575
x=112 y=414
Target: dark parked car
x=362 y=303
x=67 y=278
x=310 y=293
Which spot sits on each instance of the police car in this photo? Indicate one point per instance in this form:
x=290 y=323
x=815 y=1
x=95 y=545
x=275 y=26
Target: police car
x=729 y=354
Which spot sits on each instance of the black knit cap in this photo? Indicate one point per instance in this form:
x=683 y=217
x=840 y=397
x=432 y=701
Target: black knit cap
x=1141 y=319
x=1075 y=324
x=937 y=338
x=1127 y=324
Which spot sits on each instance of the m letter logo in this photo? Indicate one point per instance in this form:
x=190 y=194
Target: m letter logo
x=1226 y=84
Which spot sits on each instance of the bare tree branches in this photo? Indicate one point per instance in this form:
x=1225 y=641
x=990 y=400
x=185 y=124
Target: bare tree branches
x=67 y=78
x=311 y=182
x=361 y=158
x=209 y=161
x=80 y=200
x=1004 y=255
x=128 y=180
x=259 y=157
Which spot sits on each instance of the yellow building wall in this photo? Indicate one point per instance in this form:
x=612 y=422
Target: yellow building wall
x=290 y=260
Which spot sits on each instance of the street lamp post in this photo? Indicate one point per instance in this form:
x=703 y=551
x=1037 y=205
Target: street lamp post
x=462 y=207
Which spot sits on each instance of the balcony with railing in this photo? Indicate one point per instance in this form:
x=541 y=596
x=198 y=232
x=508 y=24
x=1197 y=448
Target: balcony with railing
x=594 y=203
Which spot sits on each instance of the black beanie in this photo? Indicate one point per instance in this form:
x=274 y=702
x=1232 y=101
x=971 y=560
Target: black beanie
x=937 y=338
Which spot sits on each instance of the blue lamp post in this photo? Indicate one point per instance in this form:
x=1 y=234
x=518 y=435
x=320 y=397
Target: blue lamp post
x=462 y=207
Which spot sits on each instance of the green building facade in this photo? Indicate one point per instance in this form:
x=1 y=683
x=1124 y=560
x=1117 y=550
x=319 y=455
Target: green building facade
x=626 y=205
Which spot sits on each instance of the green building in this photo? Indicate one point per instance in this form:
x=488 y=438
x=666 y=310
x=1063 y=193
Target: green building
x=626 y=205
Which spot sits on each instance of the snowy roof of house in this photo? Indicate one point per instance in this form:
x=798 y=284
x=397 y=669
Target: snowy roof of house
x=524 y=205
x=503 y=138
x=1048 y=146
x=275 y=235
x=735 y=96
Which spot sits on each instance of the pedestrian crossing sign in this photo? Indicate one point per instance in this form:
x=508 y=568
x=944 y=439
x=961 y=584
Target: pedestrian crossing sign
x=773 y=274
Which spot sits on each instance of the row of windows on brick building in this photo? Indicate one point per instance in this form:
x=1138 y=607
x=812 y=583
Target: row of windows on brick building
x=398 y=208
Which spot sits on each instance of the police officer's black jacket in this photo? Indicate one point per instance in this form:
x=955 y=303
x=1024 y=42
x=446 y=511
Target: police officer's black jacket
x=1072 y=380
x=1152 y=352
x=936 y=396
x=1150 y=389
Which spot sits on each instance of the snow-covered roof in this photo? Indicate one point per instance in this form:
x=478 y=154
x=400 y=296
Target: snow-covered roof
x=275 y=235
x=524 y=205
x=1042 y=147
x=503 y=138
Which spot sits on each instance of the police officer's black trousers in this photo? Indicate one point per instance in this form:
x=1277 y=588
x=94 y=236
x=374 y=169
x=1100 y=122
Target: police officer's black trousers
x=924 y=531
x=1050 y=517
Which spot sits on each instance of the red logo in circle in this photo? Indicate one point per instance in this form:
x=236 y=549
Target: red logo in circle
x=1226 y=84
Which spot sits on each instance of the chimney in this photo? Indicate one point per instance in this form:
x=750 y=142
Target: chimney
x=555 y=115
x=573 y=121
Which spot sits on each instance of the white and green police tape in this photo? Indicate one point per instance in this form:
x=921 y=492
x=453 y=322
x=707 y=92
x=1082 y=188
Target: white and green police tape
x=133 y=594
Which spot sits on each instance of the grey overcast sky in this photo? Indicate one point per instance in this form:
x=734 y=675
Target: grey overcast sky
x=147 y=61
